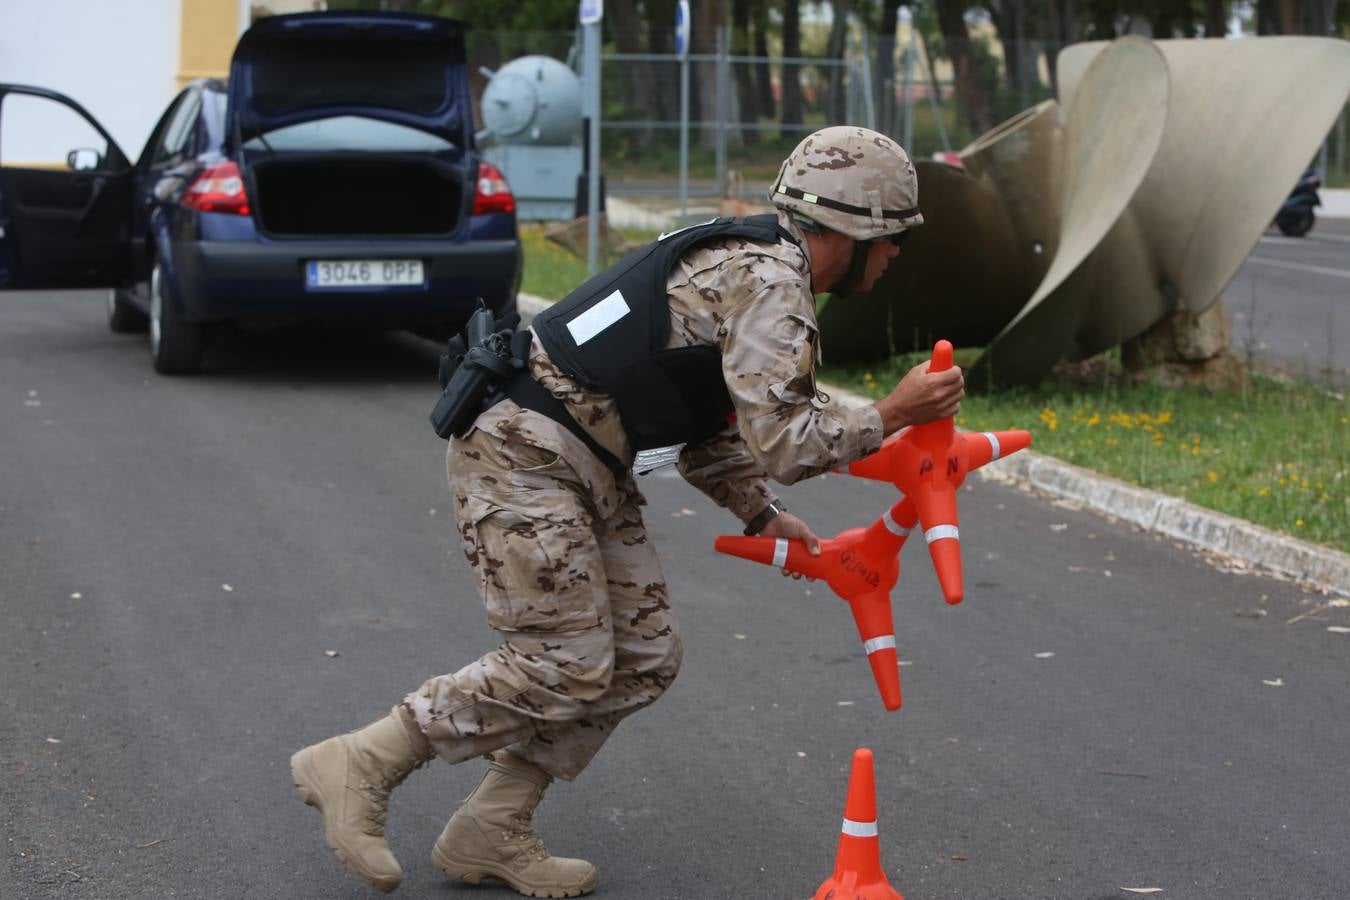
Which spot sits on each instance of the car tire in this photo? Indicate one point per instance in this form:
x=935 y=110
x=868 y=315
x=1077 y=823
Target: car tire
x=123 y=316
x=175 y=345
x=1298 y=223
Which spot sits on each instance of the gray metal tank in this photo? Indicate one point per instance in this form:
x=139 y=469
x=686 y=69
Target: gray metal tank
x=533 y=100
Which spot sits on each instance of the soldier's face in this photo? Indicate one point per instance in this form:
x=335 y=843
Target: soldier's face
x=879 y=256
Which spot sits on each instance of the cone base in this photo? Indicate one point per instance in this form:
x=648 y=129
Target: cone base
x=847 y=889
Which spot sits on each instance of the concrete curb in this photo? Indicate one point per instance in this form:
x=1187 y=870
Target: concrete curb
x=1319 y=567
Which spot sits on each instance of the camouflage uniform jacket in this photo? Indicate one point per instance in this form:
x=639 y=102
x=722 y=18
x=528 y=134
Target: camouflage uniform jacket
x=754 y=302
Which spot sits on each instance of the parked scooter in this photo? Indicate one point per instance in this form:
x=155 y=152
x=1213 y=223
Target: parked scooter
x=1295 y=218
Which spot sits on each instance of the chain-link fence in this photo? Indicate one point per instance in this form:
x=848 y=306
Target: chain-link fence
x=745 y=112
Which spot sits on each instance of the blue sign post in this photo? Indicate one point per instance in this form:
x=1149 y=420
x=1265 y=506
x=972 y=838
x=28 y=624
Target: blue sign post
x=589 y=13
x=682 y=51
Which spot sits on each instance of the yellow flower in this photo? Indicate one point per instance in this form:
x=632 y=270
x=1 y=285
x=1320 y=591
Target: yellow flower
x=1195 y=451
x=1264 y=492
x=1298 y=522
x=1213 y=476
x=1094 y=420
x=1281 y=481
x=1164 y=417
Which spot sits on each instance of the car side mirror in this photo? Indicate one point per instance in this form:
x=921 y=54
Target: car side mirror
x=83 y=160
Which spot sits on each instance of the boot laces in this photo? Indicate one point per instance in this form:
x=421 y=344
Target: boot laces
x=524 y=831
x=378 y=796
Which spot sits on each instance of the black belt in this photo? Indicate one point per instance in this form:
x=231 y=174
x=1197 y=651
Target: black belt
x=530 y=394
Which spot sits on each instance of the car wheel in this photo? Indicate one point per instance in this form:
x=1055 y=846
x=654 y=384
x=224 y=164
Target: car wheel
x=175 y=345
x=123 y=316
x=1298 y=223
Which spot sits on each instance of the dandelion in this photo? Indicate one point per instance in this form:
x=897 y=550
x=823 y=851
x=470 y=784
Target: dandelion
x=1164 y=417
x=1298 y=523
x=1264 y=492
x=1281 y=481
x=1213 y=476
x=1094 y=420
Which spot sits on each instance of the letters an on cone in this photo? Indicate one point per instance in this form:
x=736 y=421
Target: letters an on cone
x=861 y=566
x=928 y=463
x=857 y=864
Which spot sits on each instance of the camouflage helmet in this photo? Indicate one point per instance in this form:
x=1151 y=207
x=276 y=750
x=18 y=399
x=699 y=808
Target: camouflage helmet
x=851 y=180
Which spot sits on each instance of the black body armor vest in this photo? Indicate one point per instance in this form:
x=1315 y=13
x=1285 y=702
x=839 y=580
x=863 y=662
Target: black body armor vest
x=610 y=335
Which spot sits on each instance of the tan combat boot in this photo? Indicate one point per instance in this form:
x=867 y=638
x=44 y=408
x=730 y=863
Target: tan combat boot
x=491 y=836
x=348 y=780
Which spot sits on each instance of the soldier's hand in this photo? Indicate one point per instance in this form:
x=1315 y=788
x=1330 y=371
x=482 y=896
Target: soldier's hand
x=786 y=525
x=922 y=396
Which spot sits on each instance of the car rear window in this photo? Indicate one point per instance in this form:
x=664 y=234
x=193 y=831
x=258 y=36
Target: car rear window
x=349 y=133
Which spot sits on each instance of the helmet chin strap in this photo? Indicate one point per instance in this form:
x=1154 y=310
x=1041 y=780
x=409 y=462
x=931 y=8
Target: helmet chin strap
x=857 y=270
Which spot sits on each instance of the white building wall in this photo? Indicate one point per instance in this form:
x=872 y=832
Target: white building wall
x=118 y=58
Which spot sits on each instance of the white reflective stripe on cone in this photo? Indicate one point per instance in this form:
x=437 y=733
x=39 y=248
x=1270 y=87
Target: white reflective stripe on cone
x=885 y=642
x=860 y=829
x=893 y=526
x=993 y=442
x=939 y=532
x=780 y=549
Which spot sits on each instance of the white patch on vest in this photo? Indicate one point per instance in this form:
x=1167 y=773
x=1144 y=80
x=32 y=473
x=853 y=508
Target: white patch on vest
x=598 y=318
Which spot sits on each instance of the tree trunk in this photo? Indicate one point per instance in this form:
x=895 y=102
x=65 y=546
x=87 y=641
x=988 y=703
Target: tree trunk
x=1007 y=18
x=835 y=51
x=625 y=27
x=1216 y=18
x=664 y=87
x=742 y=73
x=792 y=75
x=706 y=16
x=763 y=74
x=972 y=100
x=885 y=71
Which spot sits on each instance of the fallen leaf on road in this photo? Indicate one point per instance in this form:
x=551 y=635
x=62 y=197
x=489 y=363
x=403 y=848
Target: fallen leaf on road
x=76 y=596
x=330 y=653
x=1106 y=572
x=1338 y=629
x=226 y=588
x=151 y=844
x=1278 y=682
x=959 y=857
x=1143 y=890
x=801 y=753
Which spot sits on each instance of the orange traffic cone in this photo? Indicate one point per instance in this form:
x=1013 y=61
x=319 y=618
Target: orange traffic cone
x=860 y=566
x=928 y=463
x=857 y=864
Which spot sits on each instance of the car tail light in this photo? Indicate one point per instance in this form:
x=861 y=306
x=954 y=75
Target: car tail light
x=219 y=188
x=492 y=194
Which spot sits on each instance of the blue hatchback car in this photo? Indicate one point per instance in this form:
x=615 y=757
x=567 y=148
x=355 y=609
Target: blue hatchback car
x=334 y=178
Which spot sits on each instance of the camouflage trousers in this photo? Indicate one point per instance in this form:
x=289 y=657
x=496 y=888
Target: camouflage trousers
x=578 y=599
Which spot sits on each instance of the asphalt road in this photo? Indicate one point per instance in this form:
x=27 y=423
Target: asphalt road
x=179 y=556
x=1290 y=303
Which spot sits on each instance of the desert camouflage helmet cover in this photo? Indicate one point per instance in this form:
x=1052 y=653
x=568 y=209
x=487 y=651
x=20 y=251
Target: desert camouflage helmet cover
x=851 y=180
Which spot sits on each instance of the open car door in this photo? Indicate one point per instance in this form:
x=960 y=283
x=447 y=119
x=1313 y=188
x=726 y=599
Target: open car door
x=65 y=195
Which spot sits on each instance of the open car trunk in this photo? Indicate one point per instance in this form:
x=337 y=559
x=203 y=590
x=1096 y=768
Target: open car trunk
x=355 y=196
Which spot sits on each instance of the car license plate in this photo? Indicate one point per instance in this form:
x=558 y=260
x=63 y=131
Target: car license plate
x=321 y=274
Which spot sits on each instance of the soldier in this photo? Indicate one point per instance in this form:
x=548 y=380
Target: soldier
x=550 y=517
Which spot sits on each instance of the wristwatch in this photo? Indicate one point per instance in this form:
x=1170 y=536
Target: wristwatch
x=764 y=517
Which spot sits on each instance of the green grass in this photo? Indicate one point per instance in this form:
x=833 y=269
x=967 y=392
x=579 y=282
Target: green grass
x=1275 y=454
x=551 y=270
